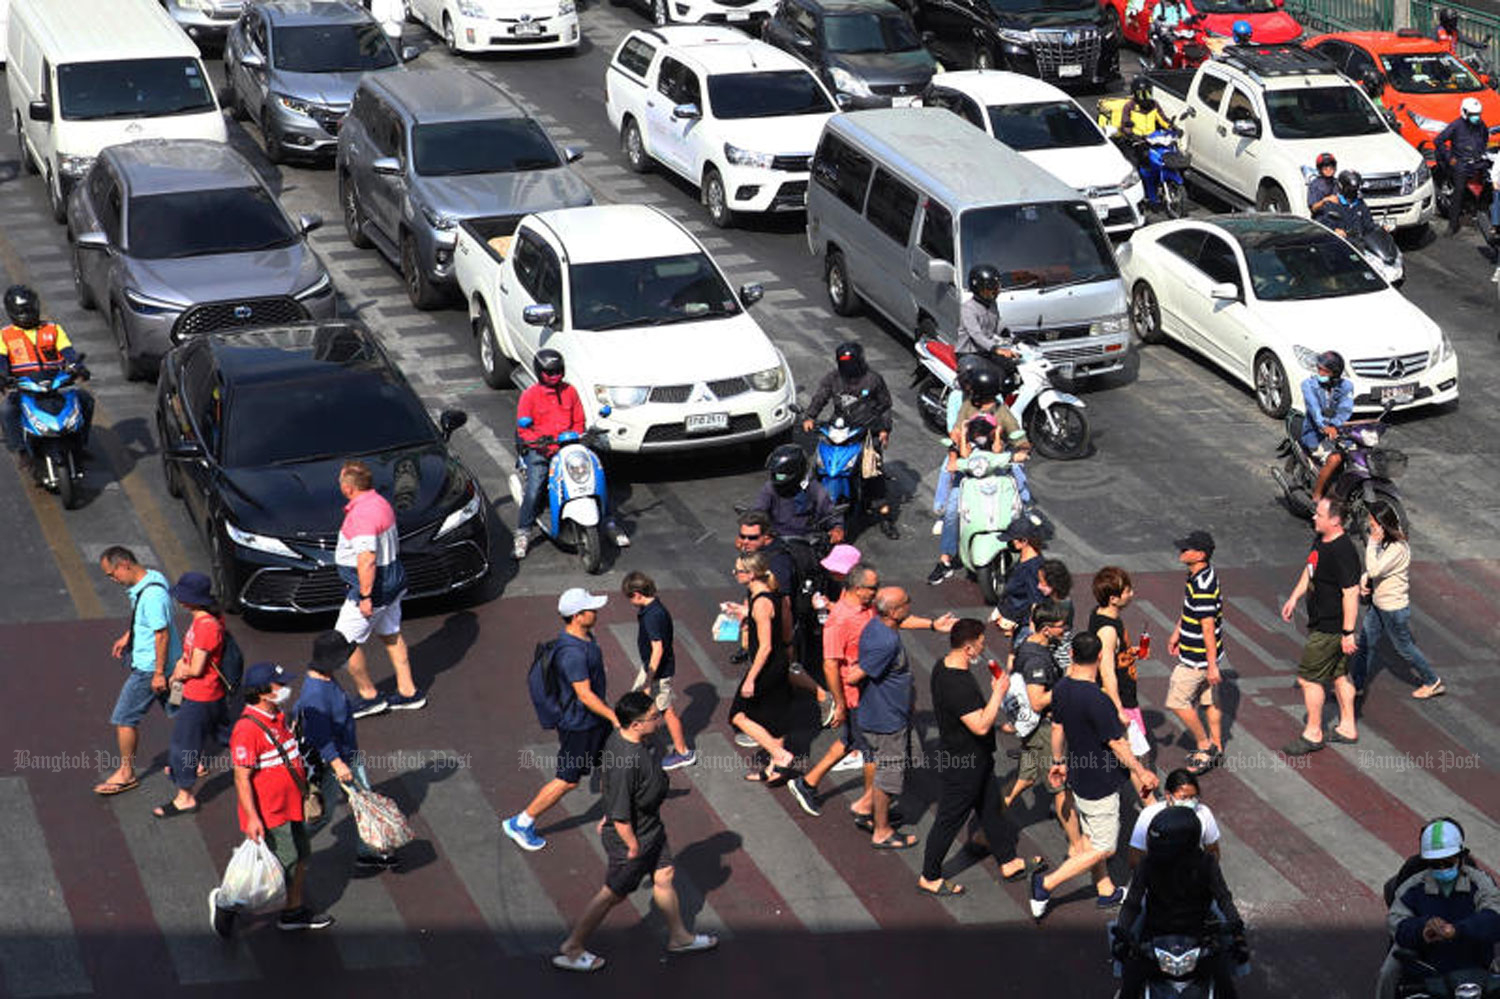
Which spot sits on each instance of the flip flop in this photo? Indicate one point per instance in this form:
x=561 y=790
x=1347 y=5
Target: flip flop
x=945 y=889
x=1335 y=736
x=1301 y=746
x=1037 y=864
x=110 y=787
x=897 y=841
x=866 y=823
x=1206 y=759
x=170 y=809
x=700 y=943
x=584 y=962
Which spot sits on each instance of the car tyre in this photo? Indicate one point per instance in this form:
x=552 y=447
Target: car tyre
x=634 y=147
x=842 y=297
x=169 y=471
x=1145 y=314
x=229 y=100
x=219 y=573
x=1272 y=198
x=129 y=369
x=1273 y=391
x=717 y=199
x=55 y=199
x=450 y=37
x=421 y=291
x=493 y=363
x=275 y=151
x=85 y=295
x=28 y=165
x=354 y=218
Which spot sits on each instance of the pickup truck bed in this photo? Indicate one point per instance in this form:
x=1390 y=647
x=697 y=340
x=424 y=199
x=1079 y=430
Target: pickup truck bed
x=492 y=232
x=1174 y=82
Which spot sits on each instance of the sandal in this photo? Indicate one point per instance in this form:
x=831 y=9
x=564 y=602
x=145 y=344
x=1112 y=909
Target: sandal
x=1425 y=691
x=170 y=809
x=1201 y=761
x=700 y=942
x=1336 y=736
x=584 y=962
x=1301 y=746
x=945 y=889
x=111 y=787
x=896 y=841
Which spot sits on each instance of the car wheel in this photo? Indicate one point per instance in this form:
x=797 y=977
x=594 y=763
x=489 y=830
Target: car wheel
x=717 y=200
x=228 y=99
x=1272 y=390
x=28 y=165
x=493 y=363
x=983 y=58
x=1272 y=199
x=450 y=38
x=419 y=289
x=354 y=218
x=80 y=287
x=219 y=572
x=841 y=295
x=169 y=470
x=55 y=199
x=635 y=149
x=275 y=151
x=660 y=14
x=129 y=370
x=1145 y=314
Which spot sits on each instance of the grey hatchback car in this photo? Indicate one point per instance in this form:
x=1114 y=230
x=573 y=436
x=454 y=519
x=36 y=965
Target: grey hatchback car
x=424 y=150
x=292 y=65
x=172 y=238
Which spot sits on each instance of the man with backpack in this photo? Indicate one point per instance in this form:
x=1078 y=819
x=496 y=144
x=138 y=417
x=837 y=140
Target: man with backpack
x=566 y=681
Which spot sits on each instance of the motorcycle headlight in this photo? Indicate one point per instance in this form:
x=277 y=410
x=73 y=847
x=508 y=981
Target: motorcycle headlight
x=146 y=305
x=848 y=82
x=579 y=468
x=979 y=465
x=1368 y=436
x=461 y=516
x=294 y=105
x=769 y=380
x=566 y=7
x=1307 y=358
x=75 y=419
x=621 y=396
x=318 y=287
x=1110 y=325
x=259 y=542
x=74 y=166
x=1015 y=36
x=1177 y=965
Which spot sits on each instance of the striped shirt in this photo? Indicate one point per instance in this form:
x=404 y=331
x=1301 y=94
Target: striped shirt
x=1201 y=600
x=370 y=526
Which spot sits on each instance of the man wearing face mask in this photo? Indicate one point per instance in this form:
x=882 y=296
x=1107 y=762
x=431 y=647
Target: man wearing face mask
x=1181 y=789
x=861 y=398
x=1327 y=404
x=1460 y=148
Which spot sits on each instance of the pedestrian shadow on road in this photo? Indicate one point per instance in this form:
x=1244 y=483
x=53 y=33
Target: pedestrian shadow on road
x=706 y=869
x=445 y=648
x=702 y=701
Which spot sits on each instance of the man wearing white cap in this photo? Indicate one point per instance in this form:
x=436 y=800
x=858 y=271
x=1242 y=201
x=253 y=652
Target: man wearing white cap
x=586 y=719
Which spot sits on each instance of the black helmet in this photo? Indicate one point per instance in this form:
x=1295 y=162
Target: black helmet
x=1332 y=362
x=1349 y=184
x=1140 y=88
x=548 y=364
x=984 y=384
x=984 y=277
x=850 y=357
x=788 y=467
x=1326 y=160
x=1373 y=82
x=1174 y=832
x=23 y=306
x=1448 y=18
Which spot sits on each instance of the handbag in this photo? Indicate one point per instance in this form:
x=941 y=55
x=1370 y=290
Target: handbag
x=312 y=798
x=381 y=825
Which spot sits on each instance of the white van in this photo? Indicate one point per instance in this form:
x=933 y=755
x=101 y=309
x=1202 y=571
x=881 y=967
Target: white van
x=85 y=74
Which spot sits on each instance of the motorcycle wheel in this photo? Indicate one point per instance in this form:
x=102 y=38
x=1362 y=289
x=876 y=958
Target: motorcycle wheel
x=932 y=404
x=67 y=488
x=990 y=580
x=1173 y=199
x=589 y=551
x=1068 y=439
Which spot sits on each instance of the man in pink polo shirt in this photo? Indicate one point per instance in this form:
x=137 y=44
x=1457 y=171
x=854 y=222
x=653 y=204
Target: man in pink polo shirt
x=367 y=559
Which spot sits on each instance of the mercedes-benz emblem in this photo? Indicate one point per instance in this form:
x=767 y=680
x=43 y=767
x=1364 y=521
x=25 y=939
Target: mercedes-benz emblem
x=1396 y=368
x=242 y=312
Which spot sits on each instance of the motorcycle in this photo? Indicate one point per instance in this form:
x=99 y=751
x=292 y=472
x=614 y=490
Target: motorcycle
x=837 y=460
x=1477 y=191
x=1183 y=963
x=576 y=491
x=52 y=429
x=1377 y=246
x=1422 y=981
x=1182 y=46
x=1163 y=173
x=1052 y=418
x=1364 y=476
x=989 y=501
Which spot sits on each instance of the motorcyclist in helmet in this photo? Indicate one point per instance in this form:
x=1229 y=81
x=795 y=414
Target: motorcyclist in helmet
x=799 y=507
x=1449 y=34
x=30 y=347
x=1142 y=115
x=1323 y=189
x=1177 y=891
x=979 y=328
x=1349 y=216
x=860 y=396
x=548 y=408
x=1460 y=149
x=1447 y=911
x=1327 y=404
x=1374 y=86
x=1243 y=33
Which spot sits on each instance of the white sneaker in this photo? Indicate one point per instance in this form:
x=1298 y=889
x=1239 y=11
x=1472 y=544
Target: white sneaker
x=744 y=741
x=853 y=761
x=523 y=539
x=937 y=528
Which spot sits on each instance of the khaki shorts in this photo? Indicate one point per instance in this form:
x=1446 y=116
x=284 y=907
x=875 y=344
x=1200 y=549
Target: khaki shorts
x=1036 y=754
x=1099 y=820
x=889 y=751
x=1323 y=658
x=659 y=691
x=1189 y=687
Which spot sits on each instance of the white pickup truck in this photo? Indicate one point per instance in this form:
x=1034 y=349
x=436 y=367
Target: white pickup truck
x=645 y=320
x=1255 y=116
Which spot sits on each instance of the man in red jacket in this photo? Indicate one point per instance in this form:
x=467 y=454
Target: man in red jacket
x=548 y=408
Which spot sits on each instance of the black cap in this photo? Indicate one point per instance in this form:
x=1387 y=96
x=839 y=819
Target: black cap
x=1200 y=541
x=330 y=651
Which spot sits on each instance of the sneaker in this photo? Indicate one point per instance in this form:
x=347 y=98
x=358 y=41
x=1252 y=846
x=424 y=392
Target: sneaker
x=890 y=530
x=219 y=918
x=1112 y=900
x=526 y=838
x=939 y=572
x=744 y=741
x=375 y=862
x=806 y=795
x=1039 y=896
x=364 y=707
x=400 y=702
x=523 y=541
x=622 y=540
x=826 y=708
x=303 y=919
x=853 y=761
x=740 y=657
x=676 y=761
x=1427 y=690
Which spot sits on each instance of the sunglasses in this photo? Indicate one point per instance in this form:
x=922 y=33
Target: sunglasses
x=751 y=537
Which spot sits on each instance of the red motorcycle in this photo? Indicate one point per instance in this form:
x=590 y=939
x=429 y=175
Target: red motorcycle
x=1477 y=192
x=1181 y=46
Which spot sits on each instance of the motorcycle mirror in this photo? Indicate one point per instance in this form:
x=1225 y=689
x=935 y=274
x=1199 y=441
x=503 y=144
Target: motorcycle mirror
x=450 y=420
x=606 y=409
x=525 y=423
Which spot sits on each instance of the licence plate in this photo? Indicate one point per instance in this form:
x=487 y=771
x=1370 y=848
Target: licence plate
x=908 y=101
x=1398 y=394
x=738 y=15
x=1071 y=69
x=527 y=29
x=702 y=423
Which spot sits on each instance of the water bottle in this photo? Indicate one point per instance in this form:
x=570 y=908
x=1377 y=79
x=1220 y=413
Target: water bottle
x=1145 y=649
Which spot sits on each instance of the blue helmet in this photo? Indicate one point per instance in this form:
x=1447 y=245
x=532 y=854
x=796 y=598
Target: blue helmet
x=1242 y=32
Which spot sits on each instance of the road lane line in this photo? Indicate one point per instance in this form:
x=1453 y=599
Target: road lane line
x=38 y=950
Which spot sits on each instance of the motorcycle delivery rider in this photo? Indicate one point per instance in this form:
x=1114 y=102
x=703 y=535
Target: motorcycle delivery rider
x=1141 y=116
x=30 y=348
x=1460 y=149
x=1323 y=188
x=552 y=407
x=861 y=397
x=1327 y=404
x=1349 y=215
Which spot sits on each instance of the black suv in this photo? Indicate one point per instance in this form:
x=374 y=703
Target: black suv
x=1066 y=42
x=868 y=52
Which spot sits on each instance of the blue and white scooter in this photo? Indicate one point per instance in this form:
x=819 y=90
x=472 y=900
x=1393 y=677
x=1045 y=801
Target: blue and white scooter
x=836 y=461
x=52 y=429
x=576 y=492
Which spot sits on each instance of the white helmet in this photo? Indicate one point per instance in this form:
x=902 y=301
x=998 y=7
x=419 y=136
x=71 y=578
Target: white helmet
x=1471 y=105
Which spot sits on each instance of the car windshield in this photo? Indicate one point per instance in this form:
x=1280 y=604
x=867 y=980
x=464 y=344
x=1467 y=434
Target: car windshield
x=199 y=223
x=132 y=88
x=1050 y=125
x=331 y=48
x=496 y=145
x=346 y=411
x=1322 y=113
x=1430 y=73
x=1234 y=6
x=767 y=95
x=852 y=33
x=1296 y=267
x=654 y=291
x=1041 y=246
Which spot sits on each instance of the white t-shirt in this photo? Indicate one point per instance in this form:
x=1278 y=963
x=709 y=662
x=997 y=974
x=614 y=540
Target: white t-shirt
x=1205 y=819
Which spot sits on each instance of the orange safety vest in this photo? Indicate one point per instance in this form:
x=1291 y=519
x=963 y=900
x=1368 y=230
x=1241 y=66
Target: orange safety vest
x=27 y=357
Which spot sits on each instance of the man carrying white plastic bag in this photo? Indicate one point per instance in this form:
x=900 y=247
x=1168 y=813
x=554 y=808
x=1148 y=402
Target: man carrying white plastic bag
x=270 y=782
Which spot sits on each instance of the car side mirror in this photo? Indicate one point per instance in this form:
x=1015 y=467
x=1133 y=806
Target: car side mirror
x=686 y=112
x=253 y=60
x=451 y=420
x=1225 y=292
x=751 y=293
x=39 y=111
x=386 y=166
x=308 y=221
x=928 y=37
x=802 y=41
x=544 y=314
x=1247 y=128
x=93 y=240
x=571 y=154
x=409 y=52
x=843 y=100
x=940 y=272
x=186 y=451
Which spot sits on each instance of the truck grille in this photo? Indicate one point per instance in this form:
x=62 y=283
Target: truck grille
x=895 y=89
x=1383 y=185
x=727 y=388
x=1392 y=369
x=792 y=194
x=1067 y=47
x=1044 y=337
x=671 y=393
x=669 y=433
x=792 y=163
x=724 y=388
x=229 y=315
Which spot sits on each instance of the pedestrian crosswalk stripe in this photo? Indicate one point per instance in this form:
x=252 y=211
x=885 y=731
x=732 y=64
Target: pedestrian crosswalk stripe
x=38 y=953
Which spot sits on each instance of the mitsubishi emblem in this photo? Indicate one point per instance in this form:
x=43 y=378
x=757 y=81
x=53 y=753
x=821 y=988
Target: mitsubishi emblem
x=701 y=394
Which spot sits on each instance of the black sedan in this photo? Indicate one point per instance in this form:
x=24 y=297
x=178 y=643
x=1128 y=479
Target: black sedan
x=254 y=426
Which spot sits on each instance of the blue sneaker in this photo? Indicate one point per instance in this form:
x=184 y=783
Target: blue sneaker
x=1040 y=896
x=1110 y=901
x=400 y=702
x=676 y=761
x=363 y=707
x=526 y=838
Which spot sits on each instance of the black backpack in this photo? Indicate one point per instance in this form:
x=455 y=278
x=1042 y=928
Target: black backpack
x=549 y=696
x=231 y=667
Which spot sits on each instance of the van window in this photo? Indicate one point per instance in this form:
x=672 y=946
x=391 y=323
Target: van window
x=1211 y=90
x=842 y=170
x=635 y=56
x=937 y=232
x=1047 y=245
x=132 y=88
x=892 y=206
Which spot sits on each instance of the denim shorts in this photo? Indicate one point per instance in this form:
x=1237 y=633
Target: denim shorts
x=136 y=698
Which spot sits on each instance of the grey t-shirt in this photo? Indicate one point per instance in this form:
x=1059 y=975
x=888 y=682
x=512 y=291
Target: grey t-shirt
x=634 y=786
x=979 y=329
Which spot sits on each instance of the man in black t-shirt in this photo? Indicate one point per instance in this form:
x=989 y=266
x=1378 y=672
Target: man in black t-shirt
x=1036 y=664
x=1330 y=581
x=635 y=841
x=653 y=641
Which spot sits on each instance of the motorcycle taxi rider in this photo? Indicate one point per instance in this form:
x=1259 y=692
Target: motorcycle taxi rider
x=1460 y=148
x=1327 y=404
x=1349 y=215
x=861 y=397
x=798 y=505
x=549 y=407
x=1323 y=188
x=30 y=347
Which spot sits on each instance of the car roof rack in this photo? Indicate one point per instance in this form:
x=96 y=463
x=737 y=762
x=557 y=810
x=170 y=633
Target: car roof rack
x=1264 y=62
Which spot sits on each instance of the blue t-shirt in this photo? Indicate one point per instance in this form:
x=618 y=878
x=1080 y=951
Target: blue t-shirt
x=153 y=612
x=577 y=659
x=654 y=624
x=327 y=720
x=885 y=701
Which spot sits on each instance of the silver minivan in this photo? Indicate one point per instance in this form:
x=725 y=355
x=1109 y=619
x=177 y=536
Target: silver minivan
x=904 y=201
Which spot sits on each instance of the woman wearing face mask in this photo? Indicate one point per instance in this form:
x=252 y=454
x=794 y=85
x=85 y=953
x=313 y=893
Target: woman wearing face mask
x=1386 y=582
x=1181 y=791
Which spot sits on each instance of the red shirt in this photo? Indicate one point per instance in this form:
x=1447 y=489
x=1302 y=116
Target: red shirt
x=552 y=412
x=277 y=796
x=841 y=641
x=206 y=632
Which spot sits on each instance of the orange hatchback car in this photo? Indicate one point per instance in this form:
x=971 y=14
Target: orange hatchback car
x=1424 y=82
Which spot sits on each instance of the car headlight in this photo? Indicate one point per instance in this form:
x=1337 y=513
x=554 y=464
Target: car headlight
x=318 y=287
x=1015 y=36
x=435 y=218
x=1307 y=358
x=199 y=5
x=621 y=396
x=848 y=82
x=1425 y=123
x=1129 y=180
x=74 y=166
x=294 y=105
x=566 y=7
x=769 y=380
x=746 y=157
x=471 y=8
x=462 y=515
x=1110 y=325
x=259 y=542
x=146 y=305
x=1444 y=350
x=1424 y=174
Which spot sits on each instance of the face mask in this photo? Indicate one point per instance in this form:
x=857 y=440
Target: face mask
x=1445 y=875
x=1186 y=803
x=1473 y=119
x=1326 y=382
x=281 y=695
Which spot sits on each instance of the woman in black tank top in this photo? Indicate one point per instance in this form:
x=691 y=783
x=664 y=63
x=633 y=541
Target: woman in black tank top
x=761 y=700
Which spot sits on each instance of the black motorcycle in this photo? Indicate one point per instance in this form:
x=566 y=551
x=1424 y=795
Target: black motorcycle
x=1364 y=476
x=1421 y=980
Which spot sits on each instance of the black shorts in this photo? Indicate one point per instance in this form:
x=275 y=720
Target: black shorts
x=623 y=874
x=578 y=752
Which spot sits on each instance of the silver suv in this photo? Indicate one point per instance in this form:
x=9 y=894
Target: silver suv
x=205 y=21
x=292 y=66
x=424 y=150
x=173 y=238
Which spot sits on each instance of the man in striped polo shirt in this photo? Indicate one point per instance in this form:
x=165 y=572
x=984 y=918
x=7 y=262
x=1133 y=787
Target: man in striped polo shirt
x=1198 y=644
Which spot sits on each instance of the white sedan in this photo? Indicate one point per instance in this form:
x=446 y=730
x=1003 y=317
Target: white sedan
x=1262 y=295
